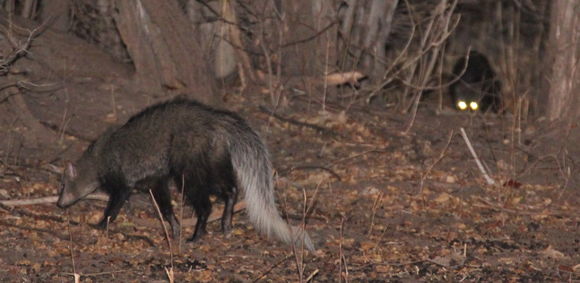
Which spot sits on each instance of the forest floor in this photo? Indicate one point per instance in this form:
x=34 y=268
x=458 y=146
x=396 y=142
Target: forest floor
x=381 y=205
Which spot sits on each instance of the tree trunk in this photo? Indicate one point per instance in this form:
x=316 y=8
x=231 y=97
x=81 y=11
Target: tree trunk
x=56 y=11
x=307 y=36
x=165 y=51
x=366 y=27
x=563 y=101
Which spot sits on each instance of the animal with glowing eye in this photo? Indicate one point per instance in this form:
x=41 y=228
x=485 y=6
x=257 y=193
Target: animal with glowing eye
x=476 y=87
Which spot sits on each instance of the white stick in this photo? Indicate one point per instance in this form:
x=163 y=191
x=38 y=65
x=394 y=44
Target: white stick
x=488 y=179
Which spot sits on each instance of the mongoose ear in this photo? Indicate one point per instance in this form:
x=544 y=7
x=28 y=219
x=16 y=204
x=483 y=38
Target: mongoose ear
x=70 y=170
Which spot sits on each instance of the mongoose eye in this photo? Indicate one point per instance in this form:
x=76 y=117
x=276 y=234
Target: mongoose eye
x=462 y=105
x=473 y=105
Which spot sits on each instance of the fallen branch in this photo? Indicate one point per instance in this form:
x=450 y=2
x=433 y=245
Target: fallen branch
x=52 y=232
x=298 y=123
x=488 y=179
x=311 y=167
x=51 y=199
x=544 y=212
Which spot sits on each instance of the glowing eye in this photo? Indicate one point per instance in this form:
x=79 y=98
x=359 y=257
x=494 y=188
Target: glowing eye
x=473 y=105
x=461 y=105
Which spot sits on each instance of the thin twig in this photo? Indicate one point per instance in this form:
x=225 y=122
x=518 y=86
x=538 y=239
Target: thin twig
x=378 y=200
x=19 y=50
x=182 y=202
x=165 y=230
x=299 y=256
x=311 y=276
x=335 y=162
x=343 y=267
x=70 y=247
x=271 y=268
x=441 y=155
x=431 y=42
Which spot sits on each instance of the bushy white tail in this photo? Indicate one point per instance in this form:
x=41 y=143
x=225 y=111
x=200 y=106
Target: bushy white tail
x=253 y=169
